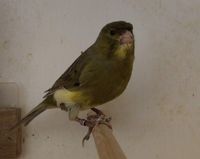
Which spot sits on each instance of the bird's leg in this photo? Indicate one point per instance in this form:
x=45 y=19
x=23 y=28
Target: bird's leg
x=97 y=111
x=84 y=122
x=93 y=121
x=63 y=107
x=101 y=116
x=89 y=123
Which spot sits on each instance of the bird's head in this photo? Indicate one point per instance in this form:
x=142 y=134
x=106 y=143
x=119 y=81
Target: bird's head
x=116 y=34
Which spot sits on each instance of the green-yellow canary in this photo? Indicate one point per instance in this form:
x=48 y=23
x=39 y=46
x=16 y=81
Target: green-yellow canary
x=98 y=75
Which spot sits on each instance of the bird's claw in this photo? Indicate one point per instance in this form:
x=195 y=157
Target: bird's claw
x=94 y=120
x=87 y=136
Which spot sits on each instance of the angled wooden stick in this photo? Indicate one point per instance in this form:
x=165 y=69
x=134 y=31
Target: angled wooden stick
x=106 y=144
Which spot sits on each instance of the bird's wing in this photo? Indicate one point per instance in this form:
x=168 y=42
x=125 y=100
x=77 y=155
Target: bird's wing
x=70 y=78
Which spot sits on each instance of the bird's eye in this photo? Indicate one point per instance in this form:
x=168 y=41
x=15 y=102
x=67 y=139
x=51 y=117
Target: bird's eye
x=112 y=32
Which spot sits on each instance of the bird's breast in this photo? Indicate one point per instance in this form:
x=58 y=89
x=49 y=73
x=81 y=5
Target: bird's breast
x=101 y=81
x=108 y=81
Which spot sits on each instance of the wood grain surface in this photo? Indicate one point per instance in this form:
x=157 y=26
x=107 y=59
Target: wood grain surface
x=106 y=144
x=10 y=142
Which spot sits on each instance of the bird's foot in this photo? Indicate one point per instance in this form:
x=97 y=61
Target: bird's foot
x=92 y=121
x=100 y=118
x=87 y=136
x=84 y=122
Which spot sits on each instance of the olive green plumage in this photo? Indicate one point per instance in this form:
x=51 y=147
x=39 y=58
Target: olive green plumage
x=98 y=75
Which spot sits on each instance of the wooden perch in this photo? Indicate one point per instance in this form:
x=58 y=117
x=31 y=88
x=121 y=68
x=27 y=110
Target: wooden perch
x=10 y=143
x=106 y=144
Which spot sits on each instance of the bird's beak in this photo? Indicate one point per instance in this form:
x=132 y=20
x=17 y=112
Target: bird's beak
x=126 y=38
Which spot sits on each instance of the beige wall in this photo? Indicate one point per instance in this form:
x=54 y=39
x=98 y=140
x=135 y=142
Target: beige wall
x=157 y=117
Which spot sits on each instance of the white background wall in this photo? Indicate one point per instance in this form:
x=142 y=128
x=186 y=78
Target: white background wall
x=157 y=117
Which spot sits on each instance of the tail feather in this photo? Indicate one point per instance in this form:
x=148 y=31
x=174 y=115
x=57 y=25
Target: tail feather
x=39 y=109
x=48 y=103
x=30 y=116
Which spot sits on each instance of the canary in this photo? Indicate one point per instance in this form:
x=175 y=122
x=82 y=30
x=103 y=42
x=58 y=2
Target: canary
x=98 y=75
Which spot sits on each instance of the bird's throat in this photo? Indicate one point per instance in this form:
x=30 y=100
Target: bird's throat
x=123 y=50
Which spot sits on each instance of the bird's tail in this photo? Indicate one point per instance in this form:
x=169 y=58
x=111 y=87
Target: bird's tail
x=46 y=104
